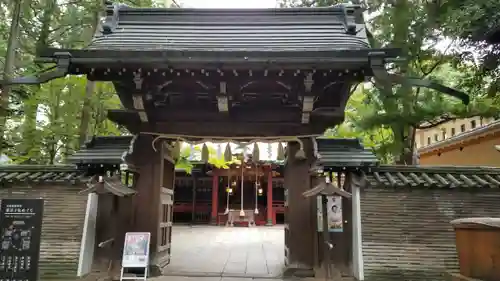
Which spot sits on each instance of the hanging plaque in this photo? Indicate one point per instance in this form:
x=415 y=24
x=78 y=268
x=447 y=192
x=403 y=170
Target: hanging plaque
x=20 y=230
x=334 y=208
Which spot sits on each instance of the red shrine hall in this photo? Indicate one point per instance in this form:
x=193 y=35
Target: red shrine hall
x=219 y=196
x=207 y=194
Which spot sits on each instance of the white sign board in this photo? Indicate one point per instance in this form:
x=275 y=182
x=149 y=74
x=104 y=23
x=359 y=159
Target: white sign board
x=136 y=249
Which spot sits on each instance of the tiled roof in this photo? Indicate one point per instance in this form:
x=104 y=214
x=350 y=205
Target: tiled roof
x=40 y=174
x=344 y=153
x=102 y=150
x=294 y=29
x=433 y=176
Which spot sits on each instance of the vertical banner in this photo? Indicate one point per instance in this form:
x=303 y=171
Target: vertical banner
x=334 y=207
x=20 y=230
x=136 y=249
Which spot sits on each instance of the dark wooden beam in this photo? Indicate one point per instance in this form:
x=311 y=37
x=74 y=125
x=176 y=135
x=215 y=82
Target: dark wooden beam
x=229 y=129
x=280 y=59
x=210 y=79
x=225 y=128
x=241 y=114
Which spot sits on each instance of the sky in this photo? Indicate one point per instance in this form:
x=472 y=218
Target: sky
x=228 y=3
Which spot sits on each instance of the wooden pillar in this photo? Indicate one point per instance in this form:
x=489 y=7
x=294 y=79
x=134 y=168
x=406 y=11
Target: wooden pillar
x=215 y=197
x=147 y=199
x=193 y=212
x=299 y=215
x=165 y=210
x=271 y=220
x=342 y=251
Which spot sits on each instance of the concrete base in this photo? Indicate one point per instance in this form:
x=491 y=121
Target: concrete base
x=293 y=272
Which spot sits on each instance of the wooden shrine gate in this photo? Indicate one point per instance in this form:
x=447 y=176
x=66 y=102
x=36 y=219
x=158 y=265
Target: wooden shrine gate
x=281 y=75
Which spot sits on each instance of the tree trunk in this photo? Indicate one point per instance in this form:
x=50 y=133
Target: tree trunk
x=89 y=90
x=9 y=68
x=407 y=149
x=403 y=133
x=54 y=122
x=85 y=113
x=29 y=134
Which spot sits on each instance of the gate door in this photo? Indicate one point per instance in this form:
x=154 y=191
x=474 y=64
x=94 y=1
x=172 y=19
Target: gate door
x=166 y=217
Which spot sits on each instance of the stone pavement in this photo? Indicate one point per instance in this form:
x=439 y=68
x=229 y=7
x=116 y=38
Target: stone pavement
x=217 y=251
x=183 y=278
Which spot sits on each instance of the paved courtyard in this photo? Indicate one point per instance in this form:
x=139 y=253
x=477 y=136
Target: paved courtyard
x=218 y=251
x=183 y=278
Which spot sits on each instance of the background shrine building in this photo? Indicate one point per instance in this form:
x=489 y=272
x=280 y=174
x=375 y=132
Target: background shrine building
x=203 y=194
x=465 y=142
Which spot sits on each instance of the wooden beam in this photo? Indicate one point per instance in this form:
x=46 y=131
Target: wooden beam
x=268 y=115
x=138 y=98
x=231 y=130
x=222 y=99
x=308 y=98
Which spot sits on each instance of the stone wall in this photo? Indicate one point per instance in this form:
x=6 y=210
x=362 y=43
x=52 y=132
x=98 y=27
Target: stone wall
x=407 y=234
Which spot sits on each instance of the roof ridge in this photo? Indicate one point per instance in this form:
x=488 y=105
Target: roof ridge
x=31 y=167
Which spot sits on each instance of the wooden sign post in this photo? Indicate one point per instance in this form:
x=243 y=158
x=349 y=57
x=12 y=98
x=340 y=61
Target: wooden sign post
x=135 y=255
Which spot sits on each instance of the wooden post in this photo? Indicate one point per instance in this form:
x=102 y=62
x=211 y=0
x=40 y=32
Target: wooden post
x=299 y=216
x=147 y=199
x=193 y=211
x=271 y=220
x=215 y=197
x=357 y=244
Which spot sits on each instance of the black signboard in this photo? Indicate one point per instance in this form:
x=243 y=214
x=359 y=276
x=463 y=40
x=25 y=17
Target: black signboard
x=20 y=230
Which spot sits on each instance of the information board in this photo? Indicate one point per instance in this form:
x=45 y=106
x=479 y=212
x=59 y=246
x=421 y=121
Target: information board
x=20 y=230
x=136 y=249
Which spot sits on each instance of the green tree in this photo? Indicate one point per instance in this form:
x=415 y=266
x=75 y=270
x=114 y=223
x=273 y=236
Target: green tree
x=184 y=163
x=48 y=122
x=9 y=63
x=470 y=23
x=410 y=27
x=378 y=139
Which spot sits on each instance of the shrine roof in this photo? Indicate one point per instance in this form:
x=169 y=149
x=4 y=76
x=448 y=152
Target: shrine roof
x=193 y=36
x=105 y=150
x=344 y=153
x=41 y=174
x=398 y=176
x=294 y=29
